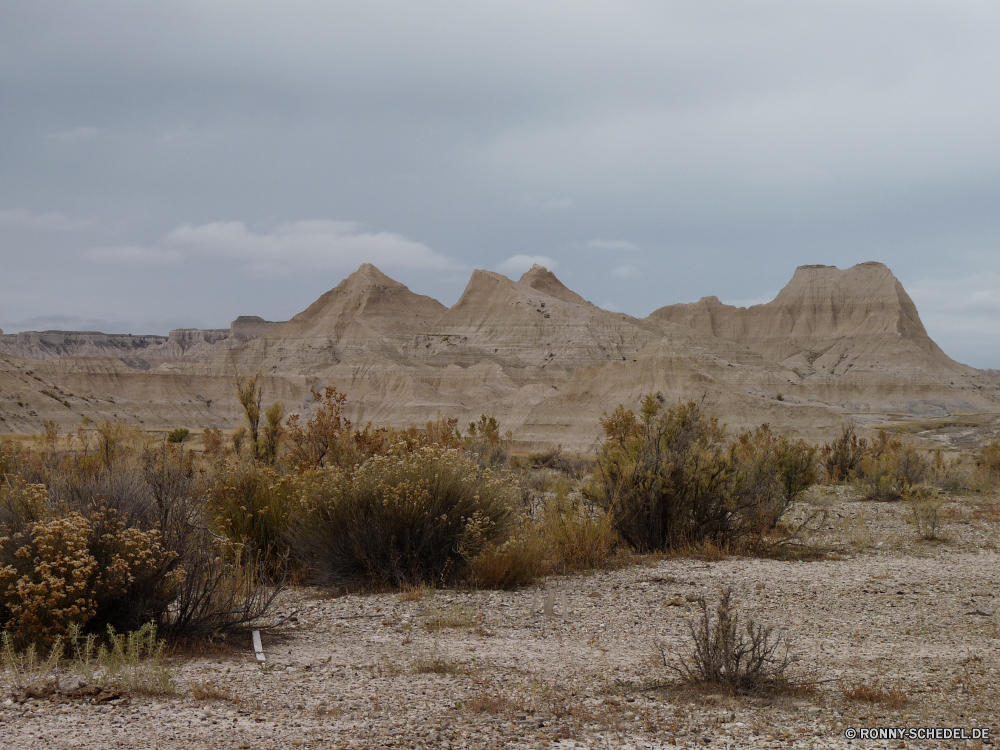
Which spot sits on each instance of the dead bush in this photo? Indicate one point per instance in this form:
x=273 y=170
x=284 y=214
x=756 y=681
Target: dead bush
x=743 y=657
x=925 y=505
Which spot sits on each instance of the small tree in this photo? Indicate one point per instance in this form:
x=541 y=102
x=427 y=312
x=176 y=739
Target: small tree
x=262 y=447
x=326 y=437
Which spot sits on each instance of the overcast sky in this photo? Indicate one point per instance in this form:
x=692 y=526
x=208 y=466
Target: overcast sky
x=177 y=164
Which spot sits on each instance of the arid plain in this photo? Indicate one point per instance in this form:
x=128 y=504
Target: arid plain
x=889 y=623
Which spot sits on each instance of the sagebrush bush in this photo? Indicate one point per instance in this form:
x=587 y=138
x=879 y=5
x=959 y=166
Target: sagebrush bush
x=772 y=471
x=401 y=519
x=889 y=467
x=251 y=504
x=668 y=479
x=117 y=536
x=746 y=657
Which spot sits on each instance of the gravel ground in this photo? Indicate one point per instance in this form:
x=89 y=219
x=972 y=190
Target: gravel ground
x=574 y=662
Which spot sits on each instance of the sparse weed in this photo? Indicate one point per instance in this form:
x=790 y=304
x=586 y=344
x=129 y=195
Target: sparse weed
x=925 y=509
x=455 y=617
x=436 y=665
x=743 y=657
x=875 y=692
x=131 y=663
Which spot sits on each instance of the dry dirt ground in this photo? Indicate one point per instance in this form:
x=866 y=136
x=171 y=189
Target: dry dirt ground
x=574 y=662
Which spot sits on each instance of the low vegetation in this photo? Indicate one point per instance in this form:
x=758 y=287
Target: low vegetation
x=111 y=531
x=669 y=478
x=733 y=653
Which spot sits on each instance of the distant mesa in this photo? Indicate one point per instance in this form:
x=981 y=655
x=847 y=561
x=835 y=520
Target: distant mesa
x=142 y=351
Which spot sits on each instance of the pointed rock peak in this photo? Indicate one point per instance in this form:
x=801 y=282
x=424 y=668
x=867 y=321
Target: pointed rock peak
x=543 y=280
x=368 y=275
x=486 y=283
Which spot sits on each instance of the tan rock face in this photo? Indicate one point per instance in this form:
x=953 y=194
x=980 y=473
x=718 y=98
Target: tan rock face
x=854 y=326
x=542 y=359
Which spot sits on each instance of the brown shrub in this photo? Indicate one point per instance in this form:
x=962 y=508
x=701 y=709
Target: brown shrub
x=875 y=692
x=667 y=479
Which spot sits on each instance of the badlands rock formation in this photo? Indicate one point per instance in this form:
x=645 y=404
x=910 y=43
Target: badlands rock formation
x=545 y=361
x=138 y=351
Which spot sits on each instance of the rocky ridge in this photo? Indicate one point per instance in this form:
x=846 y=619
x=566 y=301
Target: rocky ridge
x=833 y=344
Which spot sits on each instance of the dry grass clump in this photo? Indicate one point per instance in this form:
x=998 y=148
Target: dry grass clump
x=456 y=617
x=115 y=532
x=743 y=657
x=210 y=692
x=131 y=663
x=436 y=664
x=925 y=505
x=577 y=535
x=516 y=561
x=491 y=702
x=875 y=692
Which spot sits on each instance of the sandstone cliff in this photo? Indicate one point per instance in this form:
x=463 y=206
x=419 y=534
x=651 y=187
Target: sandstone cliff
x=547 y=363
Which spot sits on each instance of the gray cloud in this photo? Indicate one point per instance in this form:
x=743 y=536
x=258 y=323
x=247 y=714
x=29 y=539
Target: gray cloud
x=305 y=245
x=730 y=142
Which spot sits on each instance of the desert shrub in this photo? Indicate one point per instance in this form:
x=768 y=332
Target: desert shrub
x=262 y=443
x=118 y=538
x=574 y=467
x=745 y=657
x=772 y=471
x=178 y=435
x=925 y=509
x=577 y=535
x=251 y=504
x=414 y=517
x=889 y=467
x=841 y=459
x=516 y=561
x=484 y=441
x=667 y=479
x=326 y=438
x=10 y=455
x=213 y=443
x=987 y=463
x=664 y=478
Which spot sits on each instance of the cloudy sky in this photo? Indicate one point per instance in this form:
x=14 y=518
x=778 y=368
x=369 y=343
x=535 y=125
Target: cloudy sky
x=176 y=164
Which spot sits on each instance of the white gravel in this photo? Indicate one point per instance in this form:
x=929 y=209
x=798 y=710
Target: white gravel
x=350 y=671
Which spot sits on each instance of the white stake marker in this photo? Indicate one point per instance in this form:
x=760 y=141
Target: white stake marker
x=257 y=646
